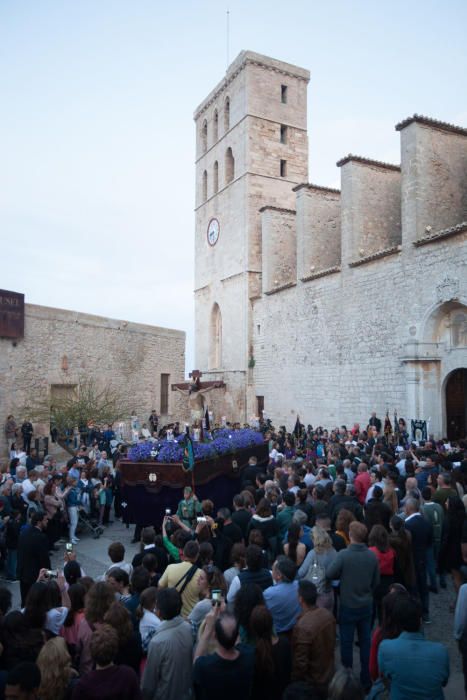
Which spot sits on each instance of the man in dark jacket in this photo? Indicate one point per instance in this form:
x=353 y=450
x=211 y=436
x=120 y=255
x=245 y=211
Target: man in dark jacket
x=377 y=512
x=422 y=539
x=375 y=422
x=27 y=431
x=33 y=553
x=358 y=571
x=254 y=573
x=341 y=500
x=241 y=516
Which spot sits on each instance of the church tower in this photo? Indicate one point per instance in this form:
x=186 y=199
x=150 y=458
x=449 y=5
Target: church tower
x=251 y=150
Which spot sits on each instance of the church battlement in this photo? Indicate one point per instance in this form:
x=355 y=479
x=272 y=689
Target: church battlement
x=380 y=210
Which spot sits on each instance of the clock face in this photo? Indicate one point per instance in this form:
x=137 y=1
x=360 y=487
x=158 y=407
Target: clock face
x=213 y=231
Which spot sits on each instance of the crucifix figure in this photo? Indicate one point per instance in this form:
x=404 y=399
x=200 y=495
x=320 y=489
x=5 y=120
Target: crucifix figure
x=195 y=391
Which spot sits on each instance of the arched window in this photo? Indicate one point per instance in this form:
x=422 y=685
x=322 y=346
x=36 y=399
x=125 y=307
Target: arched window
x=227 y=114
x=204 y=135
x=215 y=176
x=205 y=186
x=215 y=350
x=229 y=165
x=215 y=126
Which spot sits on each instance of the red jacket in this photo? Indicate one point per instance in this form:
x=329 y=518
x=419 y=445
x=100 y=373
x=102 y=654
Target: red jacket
x=385 y=561
x=362 y=483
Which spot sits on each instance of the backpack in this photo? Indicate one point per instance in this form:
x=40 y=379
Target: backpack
x=317 y=575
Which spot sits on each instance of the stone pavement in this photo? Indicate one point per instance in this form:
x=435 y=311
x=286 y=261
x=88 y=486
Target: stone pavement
x=92 y=555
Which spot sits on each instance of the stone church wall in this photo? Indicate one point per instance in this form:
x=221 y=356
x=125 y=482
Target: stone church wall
x=333 y=350
x=61 y=346
x=334 y=302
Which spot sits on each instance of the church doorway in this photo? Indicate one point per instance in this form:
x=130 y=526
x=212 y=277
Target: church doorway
x=456 y=404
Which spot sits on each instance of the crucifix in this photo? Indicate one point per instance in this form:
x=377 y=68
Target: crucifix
x=195 y=391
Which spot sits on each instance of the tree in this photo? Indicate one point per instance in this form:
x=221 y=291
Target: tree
x=88 y=400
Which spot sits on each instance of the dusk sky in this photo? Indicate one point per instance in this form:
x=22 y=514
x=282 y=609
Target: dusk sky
x=97 y=137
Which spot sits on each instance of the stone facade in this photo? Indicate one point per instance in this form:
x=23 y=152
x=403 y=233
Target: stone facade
x=327 y=303
x=61 y=346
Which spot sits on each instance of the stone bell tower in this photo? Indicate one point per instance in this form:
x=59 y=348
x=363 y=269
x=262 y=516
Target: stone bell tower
x=251 y=150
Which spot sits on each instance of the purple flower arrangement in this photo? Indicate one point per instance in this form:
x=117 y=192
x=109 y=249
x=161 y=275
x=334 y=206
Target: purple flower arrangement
x=225 y=442
x=140 y=452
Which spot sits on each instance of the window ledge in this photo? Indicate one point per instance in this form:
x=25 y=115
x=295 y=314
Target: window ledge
x=280 y=288
x=444 y=233
x=321 y=273
x=375 y=256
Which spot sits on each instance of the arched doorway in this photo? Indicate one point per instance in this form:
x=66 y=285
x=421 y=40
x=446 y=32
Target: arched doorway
x=456 y=404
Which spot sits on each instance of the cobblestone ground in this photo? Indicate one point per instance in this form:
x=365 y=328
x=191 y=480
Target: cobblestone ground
x=92 y=555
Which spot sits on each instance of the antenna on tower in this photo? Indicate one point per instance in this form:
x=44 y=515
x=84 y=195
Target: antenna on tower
x=228 y=37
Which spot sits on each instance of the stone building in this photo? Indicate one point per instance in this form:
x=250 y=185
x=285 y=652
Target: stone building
x=323 y=302
x=59 y=347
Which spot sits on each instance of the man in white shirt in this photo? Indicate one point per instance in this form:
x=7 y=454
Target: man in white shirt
x=29 y=484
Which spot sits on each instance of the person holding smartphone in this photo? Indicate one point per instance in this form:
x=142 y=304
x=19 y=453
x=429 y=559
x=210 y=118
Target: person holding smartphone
x=212 y=591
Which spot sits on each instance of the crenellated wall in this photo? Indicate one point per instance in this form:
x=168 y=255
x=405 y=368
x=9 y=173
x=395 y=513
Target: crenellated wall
x=434 y=176
x=318 y=230
x=370 y=207
x=279 y=245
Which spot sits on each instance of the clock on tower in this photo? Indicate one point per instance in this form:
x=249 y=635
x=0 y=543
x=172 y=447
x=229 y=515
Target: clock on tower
x=213 y=231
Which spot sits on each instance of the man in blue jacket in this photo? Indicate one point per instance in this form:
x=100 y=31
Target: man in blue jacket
x=415 y=667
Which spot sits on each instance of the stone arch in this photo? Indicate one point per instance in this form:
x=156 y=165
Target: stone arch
x=215 y=345
x=205 y=185
x=446 y=322
x=204 y=136
x=215 y=126
x=436 y=351
x=229 y=166
x=455 y=403
x=226 y=114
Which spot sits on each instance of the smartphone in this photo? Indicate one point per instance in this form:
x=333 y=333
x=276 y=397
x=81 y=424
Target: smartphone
x=69 y=547
x=52 y=573
x=168 y=511
x=216 y=595
x=201 y=520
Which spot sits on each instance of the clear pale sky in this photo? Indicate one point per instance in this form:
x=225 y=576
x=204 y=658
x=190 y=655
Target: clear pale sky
x=97 y=138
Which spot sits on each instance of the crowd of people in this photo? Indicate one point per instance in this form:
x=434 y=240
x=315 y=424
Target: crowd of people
x=345 y=532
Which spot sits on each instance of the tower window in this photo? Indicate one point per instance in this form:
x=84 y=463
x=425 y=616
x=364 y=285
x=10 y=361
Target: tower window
x=215 y=354
x=164 y=402
x=205 y=186
x=215 y=177
x=229 y=166
x=283 y=168
x=215 y=126
x=284 y=94
x=227 y=114
x=204 y=135
x=283 y=133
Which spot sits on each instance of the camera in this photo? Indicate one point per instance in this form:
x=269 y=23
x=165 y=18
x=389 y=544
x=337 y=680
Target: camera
x=216 y=595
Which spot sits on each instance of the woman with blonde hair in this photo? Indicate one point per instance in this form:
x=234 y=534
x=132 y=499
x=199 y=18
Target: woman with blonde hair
x=54 y=663
x=315 y=564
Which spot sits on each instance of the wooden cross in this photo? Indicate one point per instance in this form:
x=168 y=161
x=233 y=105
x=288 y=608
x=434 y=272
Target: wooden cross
x=195 y=375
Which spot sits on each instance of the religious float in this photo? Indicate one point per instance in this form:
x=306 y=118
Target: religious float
x=154 y=476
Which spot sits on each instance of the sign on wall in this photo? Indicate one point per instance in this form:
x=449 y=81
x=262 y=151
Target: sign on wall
x=11 y=314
